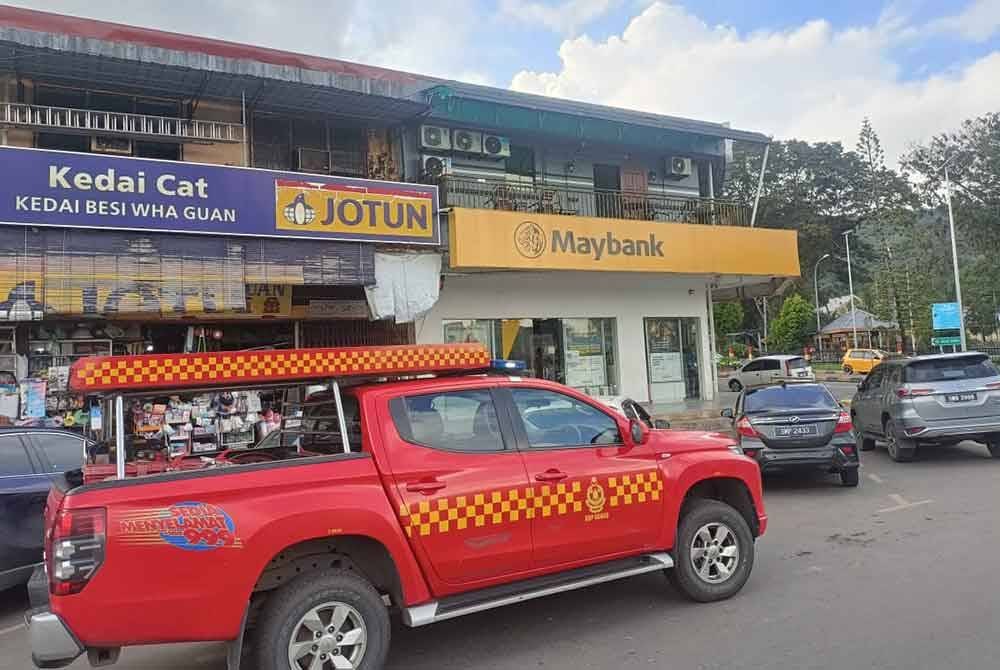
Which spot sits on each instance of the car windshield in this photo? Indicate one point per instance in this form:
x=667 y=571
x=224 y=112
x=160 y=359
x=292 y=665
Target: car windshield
x=790 y=397
x=947 y=369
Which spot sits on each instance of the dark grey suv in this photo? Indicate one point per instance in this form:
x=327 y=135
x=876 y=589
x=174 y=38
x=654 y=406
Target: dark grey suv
x=929 y=400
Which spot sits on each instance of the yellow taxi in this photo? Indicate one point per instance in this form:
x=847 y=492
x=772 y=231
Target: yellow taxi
x=862 y=361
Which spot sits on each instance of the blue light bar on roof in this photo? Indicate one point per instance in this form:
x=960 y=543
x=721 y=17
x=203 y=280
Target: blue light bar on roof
x=504 y=365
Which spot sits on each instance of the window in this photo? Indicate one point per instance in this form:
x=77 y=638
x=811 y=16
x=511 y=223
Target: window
x=556 y=420
x=797 y=364
x=947 y=369
x=875 y=379
x=63 y=452
x=754 y=366
x=450 y=420
x=792 y=397
x=769 y=364
x=13 y=457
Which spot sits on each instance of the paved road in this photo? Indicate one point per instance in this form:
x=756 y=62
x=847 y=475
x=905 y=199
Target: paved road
x=898 y=574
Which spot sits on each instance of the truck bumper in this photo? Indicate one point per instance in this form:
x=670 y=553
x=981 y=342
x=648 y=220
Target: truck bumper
x=53 y=644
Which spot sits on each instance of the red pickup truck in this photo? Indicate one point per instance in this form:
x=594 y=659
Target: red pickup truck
x=437 y=497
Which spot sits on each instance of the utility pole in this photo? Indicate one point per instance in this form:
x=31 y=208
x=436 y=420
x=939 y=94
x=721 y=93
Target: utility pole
x=954 y=256
x=819 y=340
x=850 y=287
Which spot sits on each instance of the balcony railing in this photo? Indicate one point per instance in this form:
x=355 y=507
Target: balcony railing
x=118 y=124
x=558 y=199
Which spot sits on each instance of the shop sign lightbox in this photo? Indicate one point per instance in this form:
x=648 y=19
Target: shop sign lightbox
x=56 y=188
x=518 y=240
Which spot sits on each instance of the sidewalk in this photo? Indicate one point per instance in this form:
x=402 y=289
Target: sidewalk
x=693 y=414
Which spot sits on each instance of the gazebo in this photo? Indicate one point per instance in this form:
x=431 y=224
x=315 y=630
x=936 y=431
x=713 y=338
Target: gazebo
x=873 y=332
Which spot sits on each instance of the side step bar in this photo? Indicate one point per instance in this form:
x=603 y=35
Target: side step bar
x=508 y=594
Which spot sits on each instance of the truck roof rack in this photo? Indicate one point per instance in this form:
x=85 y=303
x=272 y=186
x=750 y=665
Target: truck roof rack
x=219 y=369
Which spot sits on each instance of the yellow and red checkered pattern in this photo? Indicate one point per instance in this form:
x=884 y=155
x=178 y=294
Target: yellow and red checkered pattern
x=111 y=373
x=494 y=508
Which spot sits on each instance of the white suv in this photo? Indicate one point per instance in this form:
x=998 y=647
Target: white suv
x=769 y=370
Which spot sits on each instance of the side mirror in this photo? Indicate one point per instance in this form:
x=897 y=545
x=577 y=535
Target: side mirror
x=661 y=424
x=638 y=431
x=727 y=413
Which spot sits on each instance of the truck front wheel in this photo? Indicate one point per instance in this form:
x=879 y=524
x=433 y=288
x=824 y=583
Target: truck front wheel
x=714 y=552
x=322 y=621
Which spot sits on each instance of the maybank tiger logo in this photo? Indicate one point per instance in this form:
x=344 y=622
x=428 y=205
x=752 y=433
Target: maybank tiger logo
x=529 y=240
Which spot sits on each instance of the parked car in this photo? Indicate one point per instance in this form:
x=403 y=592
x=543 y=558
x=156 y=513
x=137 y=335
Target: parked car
x=770 y=369
x=862 y=361
x=630 y=409
x=29 y=458
x=796 y=425
x=929 y=400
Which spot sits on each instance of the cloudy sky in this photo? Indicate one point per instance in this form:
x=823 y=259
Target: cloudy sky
x=789 y=68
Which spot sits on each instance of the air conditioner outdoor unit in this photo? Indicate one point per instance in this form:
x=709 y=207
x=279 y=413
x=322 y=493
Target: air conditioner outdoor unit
x=314 y=160
x=434 y=167
x=678 y=168
x=496 y=146
x=435 y=137
x=467 y=141
x=111 y=145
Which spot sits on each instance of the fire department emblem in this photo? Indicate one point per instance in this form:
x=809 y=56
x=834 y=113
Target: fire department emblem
x=595 y=497
x=529 y=240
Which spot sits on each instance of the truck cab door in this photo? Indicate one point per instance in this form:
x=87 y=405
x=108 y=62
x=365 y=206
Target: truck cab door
x=461 y=485
x=593 y=493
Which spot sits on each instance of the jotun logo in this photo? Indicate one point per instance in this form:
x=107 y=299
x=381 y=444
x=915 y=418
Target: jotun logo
x=529 y=240
x=191 y=526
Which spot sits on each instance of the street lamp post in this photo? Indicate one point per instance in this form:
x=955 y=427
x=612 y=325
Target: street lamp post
x=850 y=287
x=819 y=340
x=954 y=254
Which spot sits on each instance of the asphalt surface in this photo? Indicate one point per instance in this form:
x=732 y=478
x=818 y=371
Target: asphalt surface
x=897 y=574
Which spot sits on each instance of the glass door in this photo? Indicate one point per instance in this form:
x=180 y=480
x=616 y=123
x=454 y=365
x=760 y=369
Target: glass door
x=672 y=359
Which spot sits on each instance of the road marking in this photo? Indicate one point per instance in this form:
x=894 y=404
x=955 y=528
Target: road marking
x=901 y=504
x=875 y=478
x=11 y=629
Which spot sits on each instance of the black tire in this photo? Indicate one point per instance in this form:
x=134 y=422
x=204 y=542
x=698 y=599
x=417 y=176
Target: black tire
x=286 y=606
x=994 y=448
x=684 y=576
x=864 y=443
x=900 y=449
x=850 y=477
x=735 y=386
x=848 y=369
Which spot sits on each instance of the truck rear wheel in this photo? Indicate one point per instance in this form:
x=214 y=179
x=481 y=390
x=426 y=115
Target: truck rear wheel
x=325 y=620
x=714 y=552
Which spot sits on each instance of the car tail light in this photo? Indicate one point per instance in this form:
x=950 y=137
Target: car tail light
x=847 y=451
x=913 y=393
x=993 y=385
x=746 y=429
x=915 y=430
x=844 y=424
x=751 y=453
x=75 y=548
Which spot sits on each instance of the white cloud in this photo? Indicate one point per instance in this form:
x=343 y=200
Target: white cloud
x=566 y=17
x=978 y=22
x=811 y=82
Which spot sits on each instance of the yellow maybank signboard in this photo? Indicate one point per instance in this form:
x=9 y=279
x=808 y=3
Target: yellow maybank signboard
x=519 y=240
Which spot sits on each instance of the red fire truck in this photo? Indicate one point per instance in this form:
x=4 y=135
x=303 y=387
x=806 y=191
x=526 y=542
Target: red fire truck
x=422 y=481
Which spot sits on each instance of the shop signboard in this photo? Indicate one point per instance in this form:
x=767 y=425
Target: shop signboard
x=944 y=316
x=337 y=309
x=273 y=300
x=516 y=240
x=56 y=188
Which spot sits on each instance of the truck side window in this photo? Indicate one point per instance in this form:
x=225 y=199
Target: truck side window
x=556 y=420
x=449 y=420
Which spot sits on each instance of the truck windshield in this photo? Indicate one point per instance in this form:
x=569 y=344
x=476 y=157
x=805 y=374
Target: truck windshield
x=947 y=369
x=790 y=397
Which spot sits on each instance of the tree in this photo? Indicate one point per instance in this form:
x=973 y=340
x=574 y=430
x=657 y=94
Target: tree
x=794 y=324
x=728 y=318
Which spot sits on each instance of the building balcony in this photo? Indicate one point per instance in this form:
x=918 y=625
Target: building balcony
x=118 y=124
x=549 y=198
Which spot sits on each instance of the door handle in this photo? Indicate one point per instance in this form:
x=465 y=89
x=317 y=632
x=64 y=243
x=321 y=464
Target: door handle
x=551 y=475
x=425 y=487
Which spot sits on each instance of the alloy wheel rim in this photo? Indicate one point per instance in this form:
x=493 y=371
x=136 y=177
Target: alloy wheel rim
x=715 y=552
x=332 y=635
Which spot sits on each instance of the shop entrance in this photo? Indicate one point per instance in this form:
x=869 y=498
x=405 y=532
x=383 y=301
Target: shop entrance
x=673 y=358
x=577 y=352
